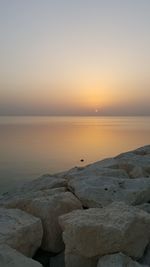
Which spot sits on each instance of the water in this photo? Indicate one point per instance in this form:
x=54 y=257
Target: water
x=31 y=146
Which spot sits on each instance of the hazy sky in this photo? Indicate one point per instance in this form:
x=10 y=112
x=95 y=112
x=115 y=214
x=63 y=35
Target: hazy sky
x=82 y=57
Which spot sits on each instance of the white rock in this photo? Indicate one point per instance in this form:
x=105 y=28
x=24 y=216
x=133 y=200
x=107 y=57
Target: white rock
x=95 y=191
x=142 y=151
x=136 y=163
x=20 y=231
x=11 y=258
x=43 y=182
x=97 y=169
x=132 y=164
x=116 y=228
x=117 y=260
x=40 y=185
x=48 y=209
x=21 y=199
x=76 y=260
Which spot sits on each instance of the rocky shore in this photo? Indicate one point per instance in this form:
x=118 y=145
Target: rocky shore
x=92 y=216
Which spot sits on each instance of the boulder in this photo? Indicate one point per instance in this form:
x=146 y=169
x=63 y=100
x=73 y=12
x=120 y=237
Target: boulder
x=141 y=151
x=101 y=231
x=145 y=207
x=97 y=170
x=117 y=260
x=75 y=260
x=132 y=164
x=48 y=209
x=136 y=162
x=20 y=231
x=21 y=199
x=11 y=258
x=46 y=181
x=96 y=191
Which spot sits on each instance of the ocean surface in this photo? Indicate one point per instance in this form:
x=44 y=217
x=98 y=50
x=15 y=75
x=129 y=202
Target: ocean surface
x=32 y=146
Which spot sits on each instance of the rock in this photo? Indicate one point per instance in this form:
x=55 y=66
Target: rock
x=142 y=151
x=95 y=191
x=40 y=185
x=146 y=257
x=132 y=164
x=44 y=182
x=137 y=172
x=20 y=231
x=76 y=260
x=48 y=209
x=102 y=231
x=117 y=260
x=145 y=207
x=21 y=199
x=97 y=170
x=57 y=261
x=11 y=258
x=103 y=182
x=136 y=163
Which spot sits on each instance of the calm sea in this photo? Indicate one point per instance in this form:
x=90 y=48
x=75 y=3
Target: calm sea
x=31 y=146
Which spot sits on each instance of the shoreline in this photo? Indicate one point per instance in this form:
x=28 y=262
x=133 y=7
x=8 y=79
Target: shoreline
x=75 y=218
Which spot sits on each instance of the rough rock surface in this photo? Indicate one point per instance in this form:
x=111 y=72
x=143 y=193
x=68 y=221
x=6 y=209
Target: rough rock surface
x=11 y=258
x=103 y=182
x=90 y=235
x=145 y=207
x=40 y=185
x=116 y=228
x=132 y=164
x=20 y=231
x=75 y=260
x=44 y=182
x=97 y=170
x=117 y=260
x=48 y=209
x=136 y=162
x=21 y=200
x=94 y=191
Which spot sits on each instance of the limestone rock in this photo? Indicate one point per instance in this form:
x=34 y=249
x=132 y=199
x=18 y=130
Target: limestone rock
x=40 y=185
x=20 y=231
x=76 y=260
x=95 y=191
x=102 y=231
x=97 y=169
x=132 y=164
x=141 y=151
x=44 y=182
x=48 y=209
x=21 y=199
x=117 y=260
x=11 y=258
x=136 y=163
x=145 y=207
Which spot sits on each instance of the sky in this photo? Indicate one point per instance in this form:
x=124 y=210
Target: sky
x=75 y=57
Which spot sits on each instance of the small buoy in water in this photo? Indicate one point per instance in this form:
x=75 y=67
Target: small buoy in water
x=81 y=160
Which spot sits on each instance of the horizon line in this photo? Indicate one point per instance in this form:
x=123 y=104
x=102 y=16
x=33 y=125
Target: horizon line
x=73 y=115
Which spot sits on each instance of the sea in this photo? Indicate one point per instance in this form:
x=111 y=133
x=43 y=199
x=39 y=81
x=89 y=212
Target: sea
x=33 y=146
